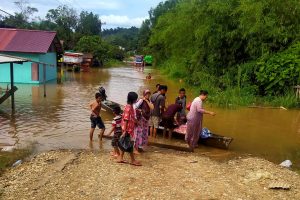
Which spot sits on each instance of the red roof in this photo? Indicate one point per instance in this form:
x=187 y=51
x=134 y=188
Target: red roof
x=28 y=41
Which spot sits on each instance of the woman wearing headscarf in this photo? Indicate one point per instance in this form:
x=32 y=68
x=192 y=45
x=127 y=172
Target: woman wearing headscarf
x=143 y=109
x=194 y=120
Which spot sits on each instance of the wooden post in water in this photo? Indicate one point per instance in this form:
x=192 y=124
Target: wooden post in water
x=12 y=85
x=297 y=91
x=44 y=78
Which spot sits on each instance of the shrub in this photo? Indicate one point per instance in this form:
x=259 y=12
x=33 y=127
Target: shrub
x=279 y=72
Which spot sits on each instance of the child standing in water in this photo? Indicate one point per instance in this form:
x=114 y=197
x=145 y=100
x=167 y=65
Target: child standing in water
x=117 y=130
x=148 y=77
x=128 y=125
x=95 y=118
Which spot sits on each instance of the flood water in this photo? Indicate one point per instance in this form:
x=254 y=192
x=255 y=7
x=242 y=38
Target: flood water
x=61 y=120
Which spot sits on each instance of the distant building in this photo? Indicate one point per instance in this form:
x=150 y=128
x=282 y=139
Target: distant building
x=36 y=45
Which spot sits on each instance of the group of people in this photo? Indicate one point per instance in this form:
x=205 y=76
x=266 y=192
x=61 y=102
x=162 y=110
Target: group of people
x=168 y=117
x=149 y=111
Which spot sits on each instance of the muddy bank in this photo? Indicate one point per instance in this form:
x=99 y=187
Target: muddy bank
x=165 y=174
x=7 y=158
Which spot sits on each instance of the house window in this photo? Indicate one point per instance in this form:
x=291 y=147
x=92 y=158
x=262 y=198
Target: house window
x=34 y=72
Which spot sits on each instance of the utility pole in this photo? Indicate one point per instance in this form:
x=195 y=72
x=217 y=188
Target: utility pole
x=5 y=12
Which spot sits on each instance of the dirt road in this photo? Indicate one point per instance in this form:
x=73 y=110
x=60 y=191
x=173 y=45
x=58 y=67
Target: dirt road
x=165 y=174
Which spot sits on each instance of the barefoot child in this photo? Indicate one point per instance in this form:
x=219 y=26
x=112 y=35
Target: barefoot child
x=128 y=125
x=117 y=130
x=95 y=118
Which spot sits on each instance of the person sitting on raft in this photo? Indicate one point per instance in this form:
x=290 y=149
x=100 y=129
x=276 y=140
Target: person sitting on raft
x=168 y=118
x=181 y=99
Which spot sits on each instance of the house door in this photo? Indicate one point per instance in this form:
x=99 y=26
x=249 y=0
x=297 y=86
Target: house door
x=34 y=72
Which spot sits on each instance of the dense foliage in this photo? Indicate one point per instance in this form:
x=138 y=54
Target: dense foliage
x=145 y=30
x=245 y=44
x=65 y=21
x=94 y=45
x=101 y=50
x=126 y=38
x=279 y=71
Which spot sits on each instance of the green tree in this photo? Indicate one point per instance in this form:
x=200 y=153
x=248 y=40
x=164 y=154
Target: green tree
x=124 y=37
x=44 y=25
x=25 y=10
x=95 y=46
x=160 y=9
x=66 y=20
x=277 y=73
x=154 y=15
x=20 y=19
x=144 y=35
x=218 y=43
x=88 y=24
x=116 y=53
x=16 y=21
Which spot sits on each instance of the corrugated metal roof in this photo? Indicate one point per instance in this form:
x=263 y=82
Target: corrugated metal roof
x=28 y=41
x=73 y=54
x=4 y=58
x=11 y=59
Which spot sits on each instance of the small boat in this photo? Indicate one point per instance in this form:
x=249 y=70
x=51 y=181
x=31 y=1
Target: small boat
x=216 y=141
x=110 y=105
x=213 y=140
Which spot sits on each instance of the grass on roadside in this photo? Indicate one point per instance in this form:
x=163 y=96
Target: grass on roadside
x=233 y=96
x=113 y=63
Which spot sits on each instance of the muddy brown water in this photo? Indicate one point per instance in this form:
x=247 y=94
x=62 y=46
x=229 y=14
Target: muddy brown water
x=61 y=120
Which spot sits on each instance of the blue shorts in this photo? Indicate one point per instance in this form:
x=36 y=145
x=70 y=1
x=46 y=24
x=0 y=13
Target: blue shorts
x=97 y=121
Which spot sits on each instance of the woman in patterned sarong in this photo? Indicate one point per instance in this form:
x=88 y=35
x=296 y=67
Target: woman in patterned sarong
x=194 y=120
x=143 y=109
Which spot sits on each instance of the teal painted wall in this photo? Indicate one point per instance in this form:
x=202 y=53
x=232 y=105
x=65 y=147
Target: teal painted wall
x=51 y=71
x=22 y=73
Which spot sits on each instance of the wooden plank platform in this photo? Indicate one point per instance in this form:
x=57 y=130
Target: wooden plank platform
x=8 y=94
